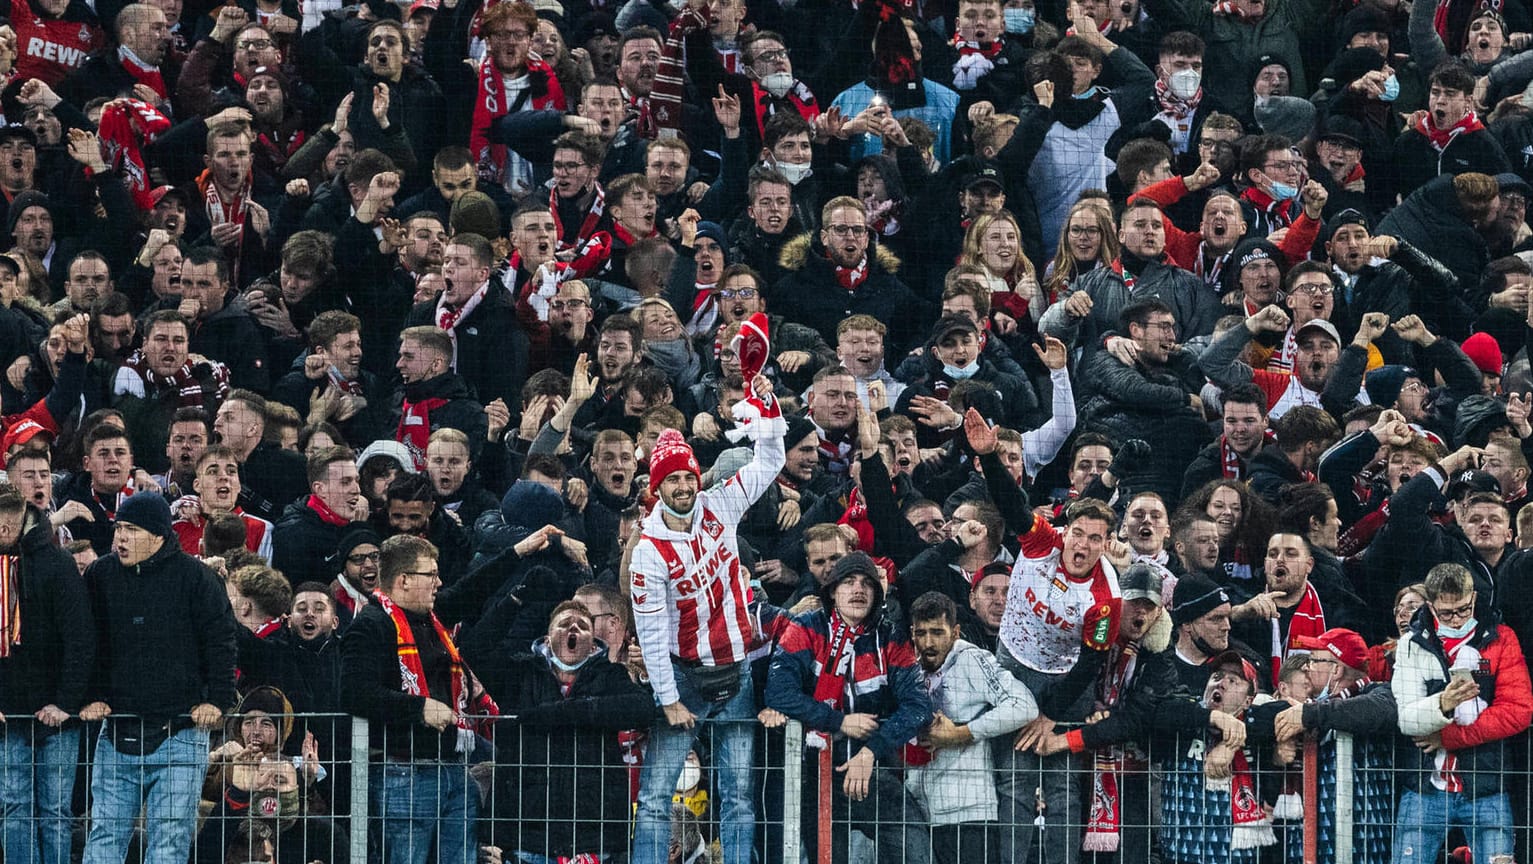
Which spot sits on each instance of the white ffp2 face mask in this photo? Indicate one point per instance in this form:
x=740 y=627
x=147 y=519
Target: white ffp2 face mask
x=794 y=172
x=778 y=84
x=1184 y=83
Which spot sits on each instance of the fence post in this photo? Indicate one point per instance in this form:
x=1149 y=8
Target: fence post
x=359 y=784
x=792 y=791
x=1311 y=798
x=1344 y=791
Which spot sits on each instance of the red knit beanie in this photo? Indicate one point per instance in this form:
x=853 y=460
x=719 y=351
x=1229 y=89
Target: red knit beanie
x=671 y=454
x=1483 y=350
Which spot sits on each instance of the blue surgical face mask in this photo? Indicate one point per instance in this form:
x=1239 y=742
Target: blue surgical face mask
x=1283 y=191
x=1391 y=89
x=960 y=373
x=1459 y=632
x=1020 y=20
x=1088 y=93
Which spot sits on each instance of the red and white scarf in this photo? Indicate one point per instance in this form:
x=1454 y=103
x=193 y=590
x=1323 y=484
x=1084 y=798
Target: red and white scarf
x=414 y=429
x=1105 y=821
x=497 y=163
x=142 y=72
x=833 y=662
x=412 y=673
x=1232 y=465
x=10 y=604
x=1127 y=277
x=852 y=277
x=126 y=126
x=798 y=96
x=233 y=210
x=1210 y=273
x=1252 y=828
x=189 y=390
x=1283 y=358
x=447 y=317
x=1308 y=622
x=975 y=61
x=1441 y=138
x=1174 y=106
x=325 y=514
x=590 y=248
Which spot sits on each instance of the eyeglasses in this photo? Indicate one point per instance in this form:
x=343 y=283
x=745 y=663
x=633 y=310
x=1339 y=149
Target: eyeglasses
x=1413 y=387
x=776 y=56
x=255 y=44
x=568 y=167
x=1313 y=290
x=1458 y=613
x=1084 y=231
x=847 y=230
x=571 y=304
x=1319 y=661
x=1294 y=165
x=1216 y=145
x=361 y=558
x=1163 y=326
x=741 y=293
x=429 y=574
x=1512 y=199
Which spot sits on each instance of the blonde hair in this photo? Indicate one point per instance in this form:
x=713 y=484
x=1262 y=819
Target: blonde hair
x=975 y=237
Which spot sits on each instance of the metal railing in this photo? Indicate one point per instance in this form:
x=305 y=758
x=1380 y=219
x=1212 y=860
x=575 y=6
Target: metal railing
x=558 y=791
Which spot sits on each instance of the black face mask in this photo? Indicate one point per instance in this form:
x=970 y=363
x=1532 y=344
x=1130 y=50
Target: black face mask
x=1207 y=649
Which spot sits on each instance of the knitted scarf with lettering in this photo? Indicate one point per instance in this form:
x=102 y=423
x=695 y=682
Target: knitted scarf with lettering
x=190 y=390
x=590 y=248
x=447 y=317
x=1105 y=821
x=670 y=75
x=10 y=604
x=833 y=660
x=494 y=101
x=412 y=674
x=414 y=429
x=234 y=210
x=126 y=126
x=1308 y=622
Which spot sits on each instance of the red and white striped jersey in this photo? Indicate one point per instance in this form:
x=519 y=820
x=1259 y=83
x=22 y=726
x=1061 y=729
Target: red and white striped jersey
x=690 y=595
x=258 y=534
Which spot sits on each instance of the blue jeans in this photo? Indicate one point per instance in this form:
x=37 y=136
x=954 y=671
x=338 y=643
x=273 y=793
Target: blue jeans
x=168 y=782
x=37 y=781
x=733 y=744
x=1423 y=820
x=423 y=800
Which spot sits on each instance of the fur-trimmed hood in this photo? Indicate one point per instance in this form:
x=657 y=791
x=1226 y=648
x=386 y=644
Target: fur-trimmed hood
x=804 y=249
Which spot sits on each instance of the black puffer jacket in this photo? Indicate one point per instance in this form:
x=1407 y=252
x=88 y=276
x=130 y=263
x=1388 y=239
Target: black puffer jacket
x=1125 y=402
x=303 y=543
x=492 y=348
x=165 y=635
x=462 y=411
x=1432 y=221
x=584 y=807
x=52 y=663
x=1417 y=161
x=810 y=295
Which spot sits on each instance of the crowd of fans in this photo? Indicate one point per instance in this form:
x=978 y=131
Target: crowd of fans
x=1118 y=394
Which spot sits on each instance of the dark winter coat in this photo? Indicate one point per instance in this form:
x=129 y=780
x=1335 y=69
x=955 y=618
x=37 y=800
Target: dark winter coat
x=462 y=412
x=810 y=295
x=492 y=349
x=1432 y=220
x=52 y=663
